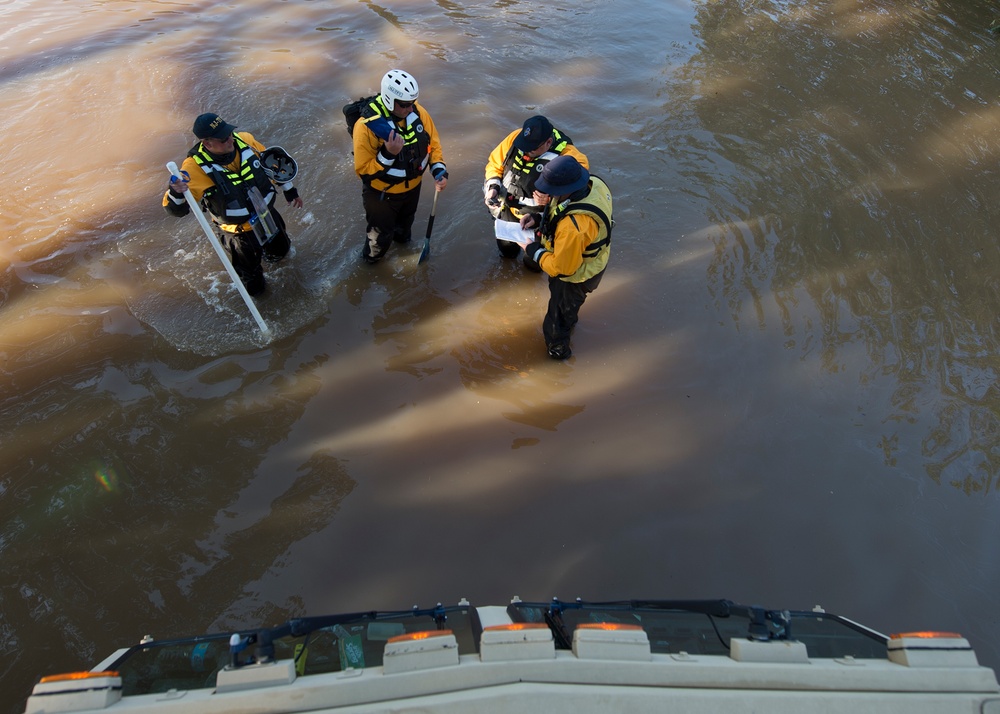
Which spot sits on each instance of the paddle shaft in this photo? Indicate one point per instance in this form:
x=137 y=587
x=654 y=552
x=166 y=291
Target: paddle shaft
x=430 y=225
x=221 y=252
x=430 y=221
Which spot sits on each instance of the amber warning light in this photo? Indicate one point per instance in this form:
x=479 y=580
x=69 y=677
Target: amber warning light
x=607 y=626
x=419 y=635
x=72 y=676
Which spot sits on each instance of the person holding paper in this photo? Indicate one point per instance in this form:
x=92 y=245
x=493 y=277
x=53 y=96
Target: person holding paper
x=395 y=141
x=227 y=173
x=511 y=172
x=573 y=246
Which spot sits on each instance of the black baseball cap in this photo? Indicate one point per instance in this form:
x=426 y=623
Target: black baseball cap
x=535 y=130
x=211 y=126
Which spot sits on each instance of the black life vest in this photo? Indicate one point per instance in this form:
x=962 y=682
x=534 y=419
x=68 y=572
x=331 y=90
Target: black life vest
x=228 y=202
x=411 y=161
x=520 y=172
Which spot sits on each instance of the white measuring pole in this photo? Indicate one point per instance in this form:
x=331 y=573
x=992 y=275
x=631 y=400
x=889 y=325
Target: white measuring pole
x=214 y=240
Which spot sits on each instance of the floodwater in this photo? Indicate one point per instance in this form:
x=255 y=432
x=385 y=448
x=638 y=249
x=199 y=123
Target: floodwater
x=784 y=392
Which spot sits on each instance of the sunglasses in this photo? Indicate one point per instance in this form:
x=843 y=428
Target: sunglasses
x=405 y=105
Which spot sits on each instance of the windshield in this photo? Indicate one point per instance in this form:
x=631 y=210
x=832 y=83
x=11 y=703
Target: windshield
x=338 y=642
x=317 y=645
x=707 y=626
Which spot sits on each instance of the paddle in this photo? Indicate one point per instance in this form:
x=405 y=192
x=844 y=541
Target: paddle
x=214 y=240
x=426 y=251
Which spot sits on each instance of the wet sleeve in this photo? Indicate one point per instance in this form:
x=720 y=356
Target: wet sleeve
x=174 y=203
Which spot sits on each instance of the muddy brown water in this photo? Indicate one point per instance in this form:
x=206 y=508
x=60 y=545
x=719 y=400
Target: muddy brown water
x=784 y=391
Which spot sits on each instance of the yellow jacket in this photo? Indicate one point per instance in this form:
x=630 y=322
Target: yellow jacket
x=367 y=154
x=581 y=244
x=571 y=240
x=200 y=181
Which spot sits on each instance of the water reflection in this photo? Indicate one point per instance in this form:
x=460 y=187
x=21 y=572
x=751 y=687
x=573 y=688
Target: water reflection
x=501 y=353
x=98 y=472
x=262 y=522
x=406 y=300
x=827 y=230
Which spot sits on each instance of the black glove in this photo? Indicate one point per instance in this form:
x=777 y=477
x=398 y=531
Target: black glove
x=291 y=194
x=529 y=257
x=534 y=250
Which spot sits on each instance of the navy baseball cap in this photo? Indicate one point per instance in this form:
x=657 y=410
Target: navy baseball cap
x=211 y=126
x=535 y=130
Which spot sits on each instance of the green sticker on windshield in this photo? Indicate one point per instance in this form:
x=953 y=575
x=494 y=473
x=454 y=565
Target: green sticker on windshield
x=352 y=655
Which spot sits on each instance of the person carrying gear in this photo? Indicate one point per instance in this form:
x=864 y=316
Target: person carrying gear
x=395 y=141
x=233 y=177
x=512 y=170
x=573 y=244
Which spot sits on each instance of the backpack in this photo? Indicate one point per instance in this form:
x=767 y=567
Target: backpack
x=352 y=111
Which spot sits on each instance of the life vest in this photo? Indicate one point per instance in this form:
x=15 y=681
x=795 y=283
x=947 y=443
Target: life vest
x=411 y=161
x=228 y=202
x=521 y=172
x=596 y=204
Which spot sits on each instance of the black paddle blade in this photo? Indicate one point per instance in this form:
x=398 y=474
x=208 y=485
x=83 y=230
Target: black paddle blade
x=425 y=251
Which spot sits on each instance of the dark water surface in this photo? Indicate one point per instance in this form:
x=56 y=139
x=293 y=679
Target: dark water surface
x=784 y=391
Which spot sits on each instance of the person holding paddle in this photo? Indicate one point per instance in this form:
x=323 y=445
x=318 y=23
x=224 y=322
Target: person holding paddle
x=395 y=141
x=234 y=178
x=573 y=243
x=513 y=168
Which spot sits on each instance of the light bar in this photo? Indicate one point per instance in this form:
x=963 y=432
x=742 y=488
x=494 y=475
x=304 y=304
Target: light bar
x=423 y=635
x=75 y=676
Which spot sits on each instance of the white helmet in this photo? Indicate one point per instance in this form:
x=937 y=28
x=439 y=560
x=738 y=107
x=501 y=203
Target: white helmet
x=278 y=164
x=397 y=84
